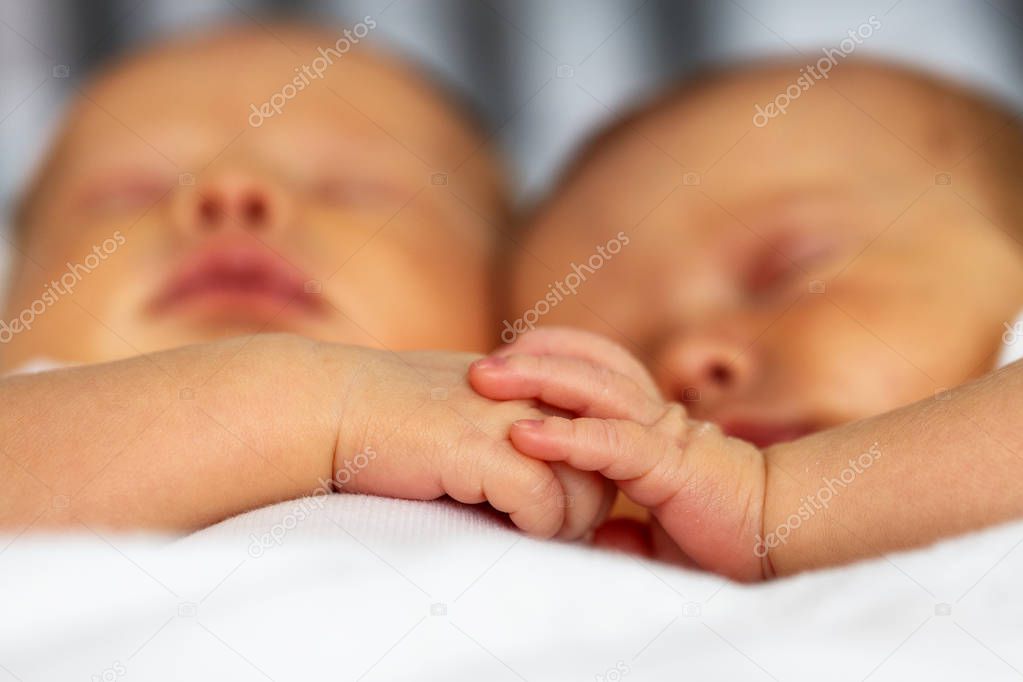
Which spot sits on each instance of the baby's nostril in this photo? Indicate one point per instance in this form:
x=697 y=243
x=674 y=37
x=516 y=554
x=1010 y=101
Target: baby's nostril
x=209 y=211
x=721 y=374
x=254 y=211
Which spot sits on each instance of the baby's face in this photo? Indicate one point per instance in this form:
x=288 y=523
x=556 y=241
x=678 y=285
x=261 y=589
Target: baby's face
x=785 y=278
x=183 y=216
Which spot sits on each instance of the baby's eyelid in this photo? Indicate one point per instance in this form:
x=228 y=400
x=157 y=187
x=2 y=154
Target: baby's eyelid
x=769 y=269
x=126 y=191
x=777 y=264
x=353 y=190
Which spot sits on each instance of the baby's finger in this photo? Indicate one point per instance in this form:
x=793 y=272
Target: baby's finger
x=568 y=383
x=584 y=345
x=641 y=459
x=526 y=489
x=587 y=499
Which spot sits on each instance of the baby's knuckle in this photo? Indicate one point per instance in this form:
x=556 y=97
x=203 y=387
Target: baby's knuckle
x=669 y=474
x=461 y=446
x=543 y=493
x=610 y=436
x=674 y=422
x=547 y=486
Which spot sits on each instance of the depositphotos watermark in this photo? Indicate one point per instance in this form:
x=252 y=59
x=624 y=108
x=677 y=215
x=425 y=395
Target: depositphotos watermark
x=568 y=286
x=114 y=671
x=809 y=506
x=304 y=508
x=615 y=673
x=314 y=70
x=64 y=286
x=1013 y=333
x=297 y=513
x=811 y=74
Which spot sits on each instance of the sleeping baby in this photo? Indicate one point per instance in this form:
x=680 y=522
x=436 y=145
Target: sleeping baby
x=239 y=297
x=238 y=305
x=799 y=309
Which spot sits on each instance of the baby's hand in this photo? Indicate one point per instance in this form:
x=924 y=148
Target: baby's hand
x=705 y=490
x=410 y=426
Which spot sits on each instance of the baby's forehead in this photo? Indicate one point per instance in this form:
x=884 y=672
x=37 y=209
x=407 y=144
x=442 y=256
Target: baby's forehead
x=868 y=123
x=198 y=73
x=245 y=87
x=773 y=100
x=859 y=146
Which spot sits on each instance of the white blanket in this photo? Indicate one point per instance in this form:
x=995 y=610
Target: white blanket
x=362 y=588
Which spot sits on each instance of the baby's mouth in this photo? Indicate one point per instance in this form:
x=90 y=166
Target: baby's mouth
x=239 y=282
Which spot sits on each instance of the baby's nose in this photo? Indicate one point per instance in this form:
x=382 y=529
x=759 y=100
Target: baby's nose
x=701 y=368
x=233 y=202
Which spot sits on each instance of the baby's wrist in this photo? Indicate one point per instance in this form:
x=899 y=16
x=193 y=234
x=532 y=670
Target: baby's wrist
x=790 y=523
x=302 y=390
x=768 y=548
x=269 y=392
x=344 y=372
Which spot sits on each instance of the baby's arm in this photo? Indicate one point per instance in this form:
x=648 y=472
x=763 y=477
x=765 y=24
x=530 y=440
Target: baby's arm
x=173 y=440
x=184 y=438
x=905 y=478
x=933 y=469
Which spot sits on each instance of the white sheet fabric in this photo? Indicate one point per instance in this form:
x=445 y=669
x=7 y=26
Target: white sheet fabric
x=362 y=588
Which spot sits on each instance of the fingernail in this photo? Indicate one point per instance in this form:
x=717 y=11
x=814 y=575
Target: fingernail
x=529 y=424
x=491 y=362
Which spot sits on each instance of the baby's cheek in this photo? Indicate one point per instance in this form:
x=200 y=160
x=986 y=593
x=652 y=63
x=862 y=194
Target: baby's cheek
x=847 y=362
x=805 y=350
